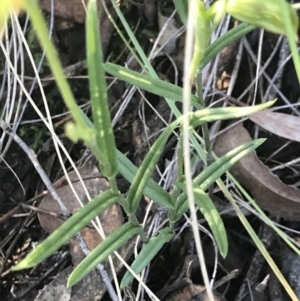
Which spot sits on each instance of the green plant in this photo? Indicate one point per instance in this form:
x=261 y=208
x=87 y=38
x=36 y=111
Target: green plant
x=37 y=135
x=99 y=138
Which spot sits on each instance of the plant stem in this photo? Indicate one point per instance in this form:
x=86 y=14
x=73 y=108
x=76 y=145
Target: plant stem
x=113 y=185
x=291 y=38
x=132 y=218
x=41 y=31
x=143 y=236
x=205 y=130
x=186 y=146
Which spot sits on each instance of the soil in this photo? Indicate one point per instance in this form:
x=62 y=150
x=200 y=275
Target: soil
x=174 y=274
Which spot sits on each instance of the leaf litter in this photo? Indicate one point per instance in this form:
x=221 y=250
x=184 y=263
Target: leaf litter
x=270 y=193
x=273 y=123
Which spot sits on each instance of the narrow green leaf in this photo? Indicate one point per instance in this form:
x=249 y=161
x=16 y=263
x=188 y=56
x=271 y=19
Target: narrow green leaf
x=223 y=164
x=98 y=90
x=224 y=40
x=111 y=243
x=150 y=249
x=182 y=10
x=128 y=170
x=146 y=169
x=208 y=115
x=152 y=190
x=148 y=83
x=68 y=229
x=212 y=173
x=291 y=35
x=213 y=218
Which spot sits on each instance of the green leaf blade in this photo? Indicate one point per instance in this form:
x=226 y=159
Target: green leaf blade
x=111 y=243
x=128 y=170
x=215 y=114
x=226 y=39
x=213 y=172
x=213 y=218
x=68 y=229
x=150 y=249
x=182 y=10
x=98 y=90
x=148 y=83
x=152 y=190
x=145 y=170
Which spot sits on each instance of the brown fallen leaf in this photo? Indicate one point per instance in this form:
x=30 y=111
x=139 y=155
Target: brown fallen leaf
x=74 y=10
x=268 y=191
x=283 y=125
x=71 y=10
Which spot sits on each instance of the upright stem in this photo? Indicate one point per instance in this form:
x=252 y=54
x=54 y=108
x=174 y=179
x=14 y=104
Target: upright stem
x=205 y=130
x=113 y=185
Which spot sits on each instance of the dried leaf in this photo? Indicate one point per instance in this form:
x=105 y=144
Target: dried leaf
x=74 y=10
x=267 y=190
x=273 y=123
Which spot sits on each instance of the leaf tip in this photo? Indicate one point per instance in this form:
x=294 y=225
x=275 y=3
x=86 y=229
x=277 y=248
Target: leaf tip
x=272 y=101
x=24 y=264
x=74 y=277
x=70 y=282
x=224 y=252
x=127 y=278
x=260 y=141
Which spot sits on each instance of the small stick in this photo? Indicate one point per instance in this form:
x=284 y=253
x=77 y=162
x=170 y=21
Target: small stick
x=33 y=158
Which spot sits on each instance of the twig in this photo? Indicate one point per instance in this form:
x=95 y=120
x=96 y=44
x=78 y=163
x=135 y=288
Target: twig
x=33 y=158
